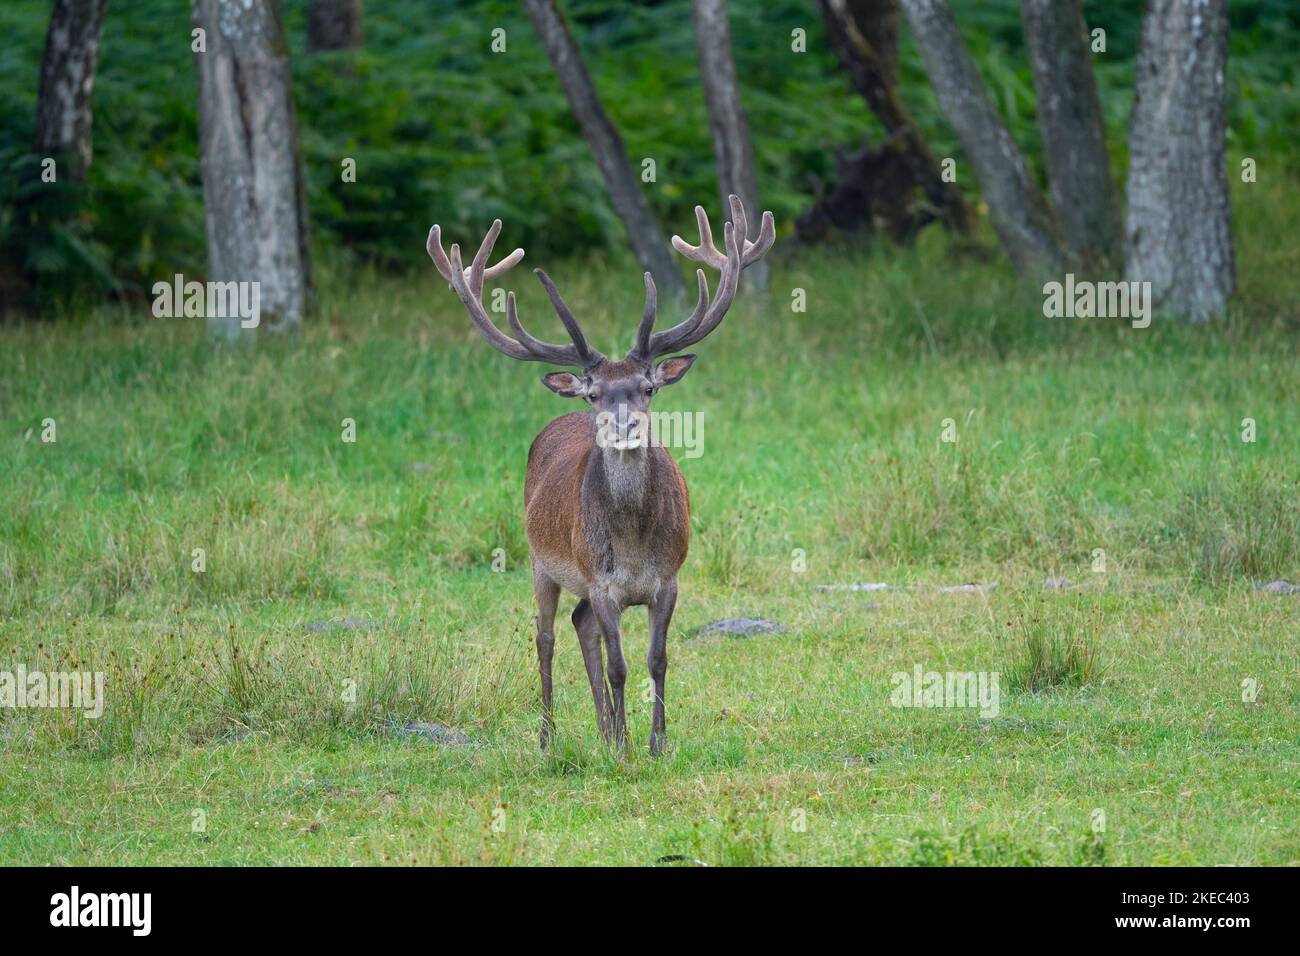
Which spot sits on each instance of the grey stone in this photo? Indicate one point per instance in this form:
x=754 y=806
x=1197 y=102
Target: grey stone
x=741 y=627
x=438 y=733
x=1279 y=586
x=871 y=586
x=344 y=624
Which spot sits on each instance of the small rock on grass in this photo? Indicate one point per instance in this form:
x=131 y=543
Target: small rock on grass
x=438 y=733
x=1279 y=586
x=345 y=624
x=882 y=586
x=741 y=627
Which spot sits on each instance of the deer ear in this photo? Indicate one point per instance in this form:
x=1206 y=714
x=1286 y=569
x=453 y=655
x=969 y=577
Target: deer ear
x=670 y=370
x=564 y=383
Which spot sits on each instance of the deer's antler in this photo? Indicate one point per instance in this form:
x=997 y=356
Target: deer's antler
x=468 y=285
x=741 y=252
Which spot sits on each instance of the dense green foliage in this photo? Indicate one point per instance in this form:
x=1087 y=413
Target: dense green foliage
x=442 y=129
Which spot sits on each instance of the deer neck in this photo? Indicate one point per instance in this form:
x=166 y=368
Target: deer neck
x=625 y=477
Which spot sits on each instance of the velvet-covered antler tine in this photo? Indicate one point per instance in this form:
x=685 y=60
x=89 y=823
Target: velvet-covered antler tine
x=642 y=347
x=505 y=265
x=495 y=337
x=661 y=343
x=468 y=286
x=545 y=351
x=766 y=236
x=434 y=247
x=706 y=252
x=740 y=252
x=588 y=355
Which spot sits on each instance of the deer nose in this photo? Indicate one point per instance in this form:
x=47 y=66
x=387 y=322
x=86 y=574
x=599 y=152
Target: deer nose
x=628 y=426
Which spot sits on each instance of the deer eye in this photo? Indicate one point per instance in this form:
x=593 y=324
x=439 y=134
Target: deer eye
x=649 y=389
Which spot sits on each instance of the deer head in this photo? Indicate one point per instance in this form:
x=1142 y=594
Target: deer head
x=618 y=390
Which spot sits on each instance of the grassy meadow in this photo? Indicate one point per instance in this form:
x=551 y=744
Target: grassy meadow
x=348 y=587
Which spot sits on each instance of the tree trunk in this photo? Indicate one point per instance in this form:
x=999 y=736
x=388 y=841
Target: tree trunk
x=333 y=25
x=63 y=113
x=1069 y=117
x=733 y=151
x=1178 y=236
x=1016 y=206
x=648 y=243
x=864 y=34
x=253 y=193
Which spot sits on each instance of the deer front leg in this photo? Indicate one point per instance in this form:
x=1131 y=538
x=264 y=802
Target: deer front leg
x=584 y=622
x=547 y=593
x=607 y=617
x=660 y=613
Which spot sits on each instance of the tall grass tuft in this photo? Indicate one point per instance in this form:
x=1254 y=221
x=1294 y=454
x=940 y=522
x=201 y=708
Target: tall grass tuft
x=1230 y=529
x=1051 y=648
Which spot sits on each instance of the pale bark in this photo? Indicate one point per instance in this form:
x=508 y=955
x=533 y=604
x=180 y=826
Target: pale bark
x=1069 y=117
x=254 y=207
x=63 y=113
x=643 y=233
x=1016 y=206
x=864 y=35
x=733 y=150
x=1178 y=235
x=333 y=25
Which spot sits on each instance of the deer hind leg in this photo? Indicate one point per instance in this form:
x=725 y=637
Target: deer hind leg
x=584 y=621
x=547 y=593
x=661 y=613
x=607 y=615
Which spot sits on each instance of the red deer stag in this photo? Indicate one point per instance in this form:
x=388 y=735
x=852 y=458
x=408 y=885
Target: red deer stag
x=607 y=511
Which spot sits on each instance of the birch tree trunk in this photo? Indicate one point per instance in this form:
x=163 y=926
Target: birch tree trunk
x=643 y=233
x=1069 y=118
x=254 y=207
x=864 y=35
x=63 y=113
x=1016 y=206
x=333 y=25
x=1178 y=235
x=733 y=151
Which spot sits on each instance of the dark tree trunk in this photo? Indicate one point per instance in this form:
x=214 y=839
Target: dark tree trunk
x=1178 y=235
x=45 y=241
x=873 y=189
x=864 y=35
x=733 y=151
x=248 y=140
x=1016 y=206
x=63 y=114
x=333 y=25
x=1069 y=117
x=643 y=233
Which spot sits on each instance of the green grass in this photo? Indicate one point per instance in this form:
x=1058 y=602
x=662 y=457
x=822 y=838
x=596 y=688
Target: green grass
x=1122 y=693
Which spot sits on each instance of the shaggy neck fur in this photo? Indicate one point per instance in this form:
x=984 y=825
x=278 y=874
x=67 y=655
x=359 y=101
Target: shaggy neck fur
x=626 y=471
